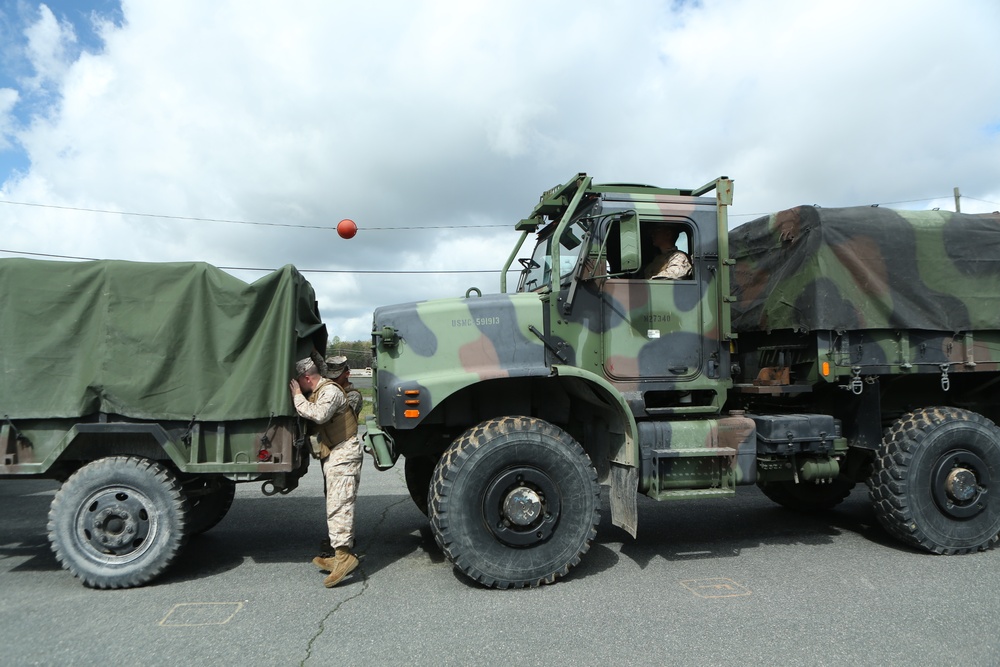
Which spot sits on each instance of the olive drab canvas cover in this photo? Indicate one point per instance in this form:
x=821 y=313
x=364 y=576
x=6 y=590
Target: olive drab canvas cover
x=150 y=341
x=810 y=268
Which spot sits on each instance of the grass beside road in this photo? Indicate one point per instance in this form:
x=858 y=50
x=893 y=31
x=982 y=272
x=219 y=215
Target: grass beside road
x=367 y=406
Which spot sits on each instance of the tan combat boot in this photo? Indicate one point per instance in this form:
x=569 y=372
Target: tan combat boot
x=324 y=564
x=341 y=565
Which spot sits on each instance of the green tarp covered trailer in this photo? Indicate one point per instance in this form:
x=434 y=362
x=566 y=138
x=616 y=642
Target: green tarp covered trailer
x=179 y=341
x=151 y=389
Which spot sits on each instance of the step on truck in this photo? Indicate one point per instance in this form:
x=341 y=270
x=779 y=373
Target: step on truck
x=149 y=391
x=804 y=352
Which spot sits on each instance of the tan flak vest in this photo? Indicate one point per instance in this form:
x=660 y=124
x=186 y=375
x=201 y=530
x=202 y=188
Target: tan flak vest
x=341 y=427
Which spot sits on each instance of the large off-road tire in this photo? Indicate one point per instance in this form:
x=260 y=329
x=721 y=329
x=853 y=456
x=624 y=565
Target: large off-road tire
x=118 y=522
x=514 y=502
x=418 y=471
x=807 y=496
x=208 y=503
x=933 y=484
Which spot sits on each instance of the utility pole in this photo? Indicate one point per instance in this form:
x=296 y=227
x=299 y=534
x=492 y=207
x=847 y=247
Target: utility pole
x=958 y=204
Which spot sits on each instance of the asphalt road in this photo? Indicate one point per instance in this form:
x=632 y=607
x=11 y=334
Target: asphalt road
x=718 y=582
x=360 y=381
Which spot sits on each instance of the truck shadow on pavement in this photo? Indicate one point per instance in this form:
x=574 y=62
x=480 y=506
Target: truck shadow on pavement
x=389 y=529
x=290 y=530
x=23 y=532
x=596 y=561
x=261 y=530
x=724 y=528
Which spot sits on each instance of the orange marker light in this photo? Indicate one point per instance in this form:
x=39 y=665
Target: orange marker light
x=826 y=369
x=411 y=414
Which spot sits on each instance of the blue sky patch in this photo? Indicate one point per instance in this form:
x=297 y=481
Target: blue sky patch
x=17 y=69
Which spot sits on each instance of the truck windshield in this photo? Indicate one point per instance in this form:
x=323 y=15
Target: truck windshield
x=537 y=270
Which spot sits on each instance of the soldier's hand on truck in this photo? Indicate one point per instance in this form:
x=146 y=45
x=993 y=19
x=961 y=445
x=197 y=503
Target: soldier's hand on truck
x=295 y=388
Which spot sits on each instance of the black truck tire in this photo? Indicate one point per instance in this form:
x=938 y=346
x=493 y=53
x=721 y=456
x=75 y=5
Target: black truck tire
x=208 y=503
x=514 y=502
x=932 y=485
x=118 y=522
x=807 y=496
x=418 y=471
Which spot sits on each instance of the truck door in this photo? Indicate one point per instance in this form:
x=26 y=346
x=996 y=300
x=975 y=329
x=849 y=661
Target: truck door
x=653 y=327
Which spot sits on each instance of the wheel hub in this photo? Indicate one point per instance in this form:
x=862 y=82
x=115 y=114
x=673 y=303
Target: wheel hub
x=115 y=523
x=961 y=482
x=114 y=527
x=521 y=506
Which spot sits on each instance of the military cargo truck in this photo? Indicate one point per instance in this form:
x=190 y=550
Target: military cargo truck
x=804 y=352
x=149 y=391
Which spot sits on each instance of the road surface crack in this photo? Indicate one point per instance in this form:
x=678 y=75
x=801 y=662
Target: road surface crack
x=365 y=583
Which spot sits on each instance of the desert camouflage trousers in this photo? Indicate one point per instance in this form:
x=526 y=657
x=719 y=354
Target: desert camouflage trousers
x=342 y=472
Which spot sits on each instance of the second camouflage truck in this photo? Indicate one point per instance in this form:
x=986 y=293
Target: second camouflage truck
x=805 y=352
x=149 y=390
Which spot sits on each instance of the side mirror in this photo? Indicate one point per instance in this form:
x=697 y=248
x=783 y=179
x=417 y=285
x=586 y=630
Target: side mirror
x=628 y=230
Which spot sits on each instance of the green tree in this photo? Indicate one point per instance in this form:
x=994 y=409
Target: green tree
x=358 y=352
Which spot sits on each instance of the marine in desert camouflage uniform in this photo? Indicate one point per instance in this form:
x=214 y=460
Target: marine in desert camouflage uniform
x=671 y=263
x=336 y=429
x=338 y=370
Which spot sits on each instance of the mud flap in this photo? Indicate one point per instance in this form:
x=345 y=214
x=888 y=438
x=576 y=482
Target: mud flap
x=624 y=487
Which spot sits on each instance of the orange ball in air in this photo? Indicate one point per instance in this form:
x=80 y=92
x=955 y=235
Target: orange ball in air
x=347 y=228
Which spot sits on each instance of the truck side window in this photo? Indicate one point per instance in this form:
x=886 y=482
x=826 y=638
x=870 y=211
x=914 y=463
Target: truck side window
x=667 y=244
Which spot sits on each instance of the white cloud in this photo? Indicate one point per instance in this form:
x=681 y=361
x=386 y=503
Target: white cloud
x=456 y=114
x=48 y=50
x=513 y=131
x=8 y=98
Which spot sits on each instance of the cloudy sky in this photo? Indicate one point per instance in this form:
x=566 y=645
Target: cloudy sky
x=436 y=125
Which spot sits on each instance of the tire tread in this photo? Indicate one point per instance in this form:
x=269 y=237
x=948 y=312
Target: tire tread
x=889 y=484
x=106 y=468
x=443 y=481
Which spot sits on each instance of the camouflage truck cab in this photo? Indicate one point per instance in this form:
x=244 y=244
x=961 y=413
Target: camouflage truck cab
x=588 y=370
x=149 y=390
x=511 y=409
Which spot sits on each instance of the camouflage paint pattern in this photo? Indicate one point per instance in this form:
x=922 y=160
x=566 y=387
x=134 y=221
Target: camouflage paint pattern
x=705 y=454
x=851 y=314
x=878 y=291
x=811 y=268
x=629 y=366
x=781 y=366
x=446 y=345
x=611 y=346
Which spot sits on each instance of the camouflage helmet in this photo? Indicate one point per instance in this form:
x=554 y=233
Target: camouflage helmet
x=335 y=367
x=305 y=367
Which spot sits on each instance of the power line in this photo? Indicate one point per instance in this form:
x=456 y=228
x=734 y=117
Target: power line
x=910 y=201
x=985 y=201
x=236 y=222
x=164 y=216
x=254 y=268
x=333 y=271
x=157 y=215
